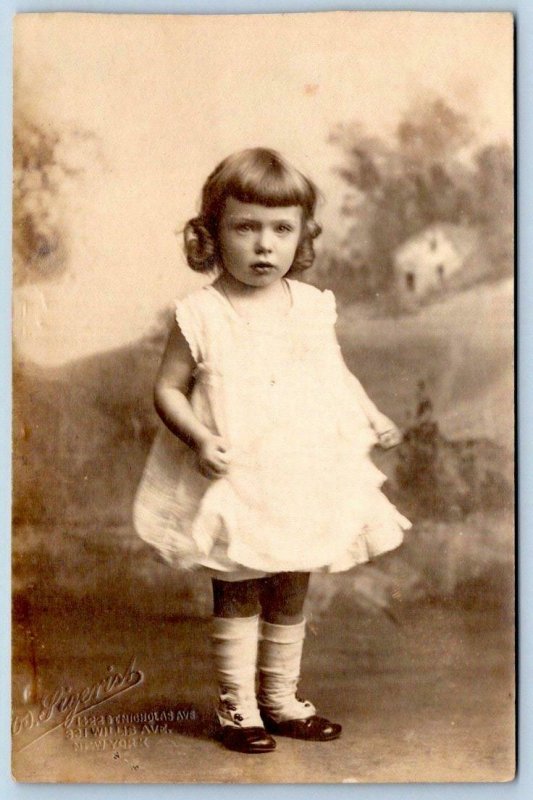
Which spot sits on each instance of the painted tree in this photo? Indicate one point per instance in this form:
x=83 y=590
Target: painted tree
x=397 y=188
x=46 y=166
x=494 y=211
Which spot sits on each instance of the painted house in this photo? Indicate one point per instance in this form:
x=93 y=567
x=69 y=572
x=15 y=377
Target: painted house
x=426 y=262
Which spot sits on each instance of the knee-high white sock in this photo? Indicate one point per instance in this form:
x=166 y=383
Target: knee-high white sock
x=280 y=656
x=234 y=642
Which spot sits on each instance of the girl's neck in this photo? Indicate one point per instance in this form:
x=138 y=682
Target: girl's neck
x=239 y=289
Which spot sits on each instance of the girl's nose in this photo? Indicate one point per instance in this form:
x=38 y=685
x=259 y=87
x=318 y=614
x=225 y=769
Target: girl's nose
x=263 y=243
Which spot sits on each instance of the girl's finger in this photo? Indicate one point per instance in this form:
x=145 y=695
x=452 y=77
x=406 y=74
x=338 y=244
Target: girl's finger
x=221 y=458
x=223 y=454
x=390 y=440
x=218 y=467
x=208 y=469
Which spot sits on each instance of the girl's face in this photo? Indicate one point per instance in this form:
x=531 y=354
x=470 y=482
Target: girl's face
x=258 y=243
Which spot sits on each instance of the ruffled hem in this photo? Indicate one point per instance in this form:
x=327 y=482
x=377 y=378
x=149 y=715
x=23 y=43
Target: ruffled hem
x=206 y=541
x=367 y=546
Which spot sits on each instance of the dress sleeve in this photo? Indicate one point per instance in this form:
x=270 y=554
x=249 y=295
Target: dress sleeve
x=190 y=323
x=329 y=306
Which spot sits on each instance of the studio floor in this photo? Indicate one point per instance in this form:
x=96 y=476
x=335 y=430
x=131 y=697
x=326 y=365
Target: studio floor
x=425 y=694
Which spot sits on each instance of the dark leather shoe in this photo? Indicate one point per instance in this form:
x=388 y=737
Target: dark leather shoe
x=247 y=740
x=314 y=729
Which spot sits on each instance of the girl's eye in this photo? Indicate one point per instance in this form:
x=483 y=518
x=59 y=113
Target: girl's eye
x=244 y=227
x=284 y=228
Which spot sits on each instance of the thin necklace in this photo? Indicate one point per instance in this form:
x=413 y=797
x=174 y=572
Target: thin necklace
x=286 y=290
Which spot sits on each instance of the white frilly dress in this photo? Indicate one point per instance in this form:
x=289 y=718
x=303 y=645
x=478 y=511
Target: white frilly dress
x=301 y=493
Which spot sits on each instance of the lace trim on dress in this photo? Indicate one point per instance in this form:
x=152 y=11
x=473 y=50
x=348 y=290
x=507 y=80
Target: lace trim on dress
x=187 y=323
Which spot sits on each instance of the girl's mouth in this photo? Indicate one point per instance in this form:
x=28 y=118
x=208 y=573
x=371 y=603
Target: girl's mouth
x=262 y=266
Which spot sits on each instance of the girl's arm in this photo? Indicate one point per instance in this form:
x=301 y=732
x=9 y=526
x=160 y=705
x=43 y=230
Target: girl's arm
x=387 y=432
x=372 y=412
x=172 y=386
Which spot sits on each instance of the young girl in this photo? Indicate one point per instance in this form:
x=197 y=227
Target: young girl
x=262 y=472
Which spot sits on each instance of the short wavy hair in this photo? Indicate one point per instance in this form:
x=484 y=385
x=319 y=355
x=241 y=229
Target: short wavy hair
x=256 y=175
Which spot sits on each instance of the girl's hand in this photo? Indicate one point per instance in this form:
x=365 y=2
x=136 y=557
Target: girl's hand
x=390 y=438
x=213 y=457
x=387 y=432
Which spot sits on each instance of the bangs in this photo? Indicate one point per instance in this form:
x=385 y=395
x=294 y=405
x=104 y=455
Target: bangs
x=259 y=176
x=271 y=185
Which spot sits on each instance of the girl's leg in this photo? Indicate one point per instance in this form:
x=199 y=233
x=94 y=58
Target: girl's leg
x=282 y=598
x=234 y=640
x=235 y=598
